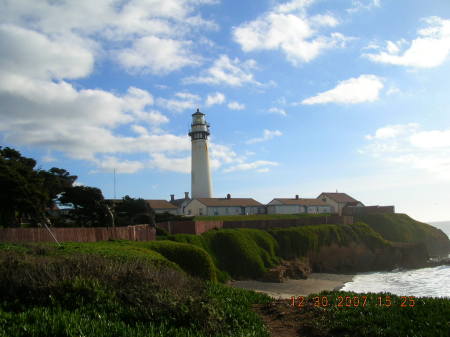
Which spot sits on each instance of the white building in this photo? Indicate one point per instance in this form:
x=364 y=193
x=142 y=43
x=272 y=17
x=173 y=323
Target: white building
x=224 y=206
x=298 y=205
x=200 y=174
x=338 y=201
x=180 y=204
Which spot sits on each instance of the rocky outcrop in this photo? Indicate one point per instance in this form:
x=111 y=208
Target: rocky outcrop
x=360 y=258
x=294 y=269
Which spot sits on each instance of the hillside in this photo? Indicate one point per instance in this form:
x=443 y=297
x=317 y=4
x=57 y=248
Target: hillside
x=402 y=228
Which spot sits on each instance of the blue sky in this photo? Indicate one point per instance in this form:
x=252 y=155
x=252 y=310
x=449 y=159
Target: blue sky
x=302 y=96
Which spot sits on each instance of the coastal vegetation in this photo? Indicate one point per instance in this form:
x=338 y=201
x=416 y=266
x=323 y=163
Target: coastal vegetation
x=77 y=294
x=337 y=313
x=402 y=228
x=129 y=289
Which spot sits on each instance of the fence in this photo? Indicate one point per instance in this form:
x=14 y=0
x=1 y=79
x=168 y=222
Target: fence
x=366 y=210
x=199 y=227
x=78 y=234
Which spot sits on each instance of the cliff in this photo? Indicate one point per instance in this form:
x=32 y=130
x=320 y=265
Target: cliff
x=402 y=228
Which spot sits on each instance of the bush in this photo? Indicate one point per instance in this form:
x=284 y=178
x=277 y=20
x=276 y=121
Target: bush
x=299 y=241
x=194 y=260
x=241 y=253
x=90 y=295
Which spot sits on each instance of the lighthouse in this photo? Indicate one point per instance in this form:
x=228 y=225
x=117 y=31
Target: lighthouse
x=200 y=175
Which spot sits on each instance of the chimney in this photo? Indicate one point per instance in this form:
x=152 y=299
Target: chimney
x=296 y=197
x=186 y=195
x=228 y=196
x=172 y=197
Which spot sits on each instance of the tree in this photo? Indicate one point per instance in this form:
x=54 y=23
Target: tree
x=89 y=206
x=56 y=181
x=132 y=211
x=22 y=195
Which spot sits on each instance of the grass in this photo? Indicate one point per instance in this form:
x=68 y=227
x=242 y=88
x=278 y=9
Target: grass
x=255 y=217
x=91 y=295
x=299 y=241
x=402 y=228
x=383 y=314
x=194 y=260
x=241 y=253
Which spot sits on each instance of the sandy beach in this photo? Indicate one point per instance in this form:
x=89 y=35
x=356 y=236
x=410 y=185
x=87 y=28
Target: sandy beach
x=315 y=283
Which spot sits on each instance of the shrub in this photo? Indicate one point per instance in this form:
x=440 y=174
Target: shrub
x=240 y=253
x=236 y=253
x=194 y=260
x=299 y=241
x=88 y=294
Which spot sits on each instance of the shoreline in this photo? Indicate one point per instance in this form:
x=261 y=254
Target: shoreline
x=315 y=283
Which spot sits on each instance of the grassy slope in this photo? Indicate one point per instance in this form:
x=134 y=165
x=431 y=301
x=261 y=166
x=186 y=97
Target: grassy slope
x=241 y=253
x=402 y=228
x=247 y=253
x=47 y=294
x=298 y=241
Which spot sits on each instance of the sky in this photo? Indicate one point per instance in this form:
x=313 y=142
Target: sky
x=303 y=96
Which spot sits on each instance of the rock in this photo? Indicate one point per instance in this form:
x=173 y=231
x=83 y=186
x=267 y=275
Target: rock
x=297 y=269
x=276 y=274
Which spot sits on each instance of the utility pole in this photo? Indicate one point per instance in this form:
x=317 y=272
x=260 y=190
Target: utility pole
x=114 y=184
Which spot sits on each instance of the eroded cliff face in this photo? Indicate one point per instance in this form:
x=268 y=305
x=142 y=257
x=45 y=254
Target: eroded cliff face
x=351 y=259
x=360 y=258
x=402 y=228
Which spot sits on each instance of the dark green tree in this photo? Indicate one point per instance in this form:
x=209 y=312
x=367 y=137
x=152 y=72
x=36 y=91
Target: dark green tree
x=89 y=206
x=132 y=211
x=23 y=196
x=56 y=180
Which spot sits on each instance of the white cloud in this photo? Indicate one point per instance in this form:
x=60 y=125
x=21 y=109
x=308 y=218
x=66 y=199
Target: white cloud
x=216 y=98
x=267 y=135
x=288 y=28
x=160 y=33
x=164 y=163
x=139 y=129
x=365 y=88
x=259 y=165
x=28 y=53
x=393 y=131
x=183 y=101
x=409 y=147
x=109 y=163
x=236 y=106
x=278 y=111
x=430 y=49
x=227 y=71
x=359 y=5
x=156 y=55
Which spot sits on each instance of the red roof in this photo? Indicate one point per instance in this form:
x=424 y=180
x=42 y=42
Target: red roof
x=302 y=202
x=339 y=197
x=160 y=204
x=224 y=202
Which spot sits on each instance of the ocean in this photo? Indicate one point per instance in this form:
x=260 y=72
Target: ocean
x=434 y=282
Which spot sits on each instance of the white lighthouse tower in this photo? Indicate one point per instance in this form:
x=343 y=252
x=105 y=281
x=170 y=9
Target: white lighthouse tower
x=200 y=174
